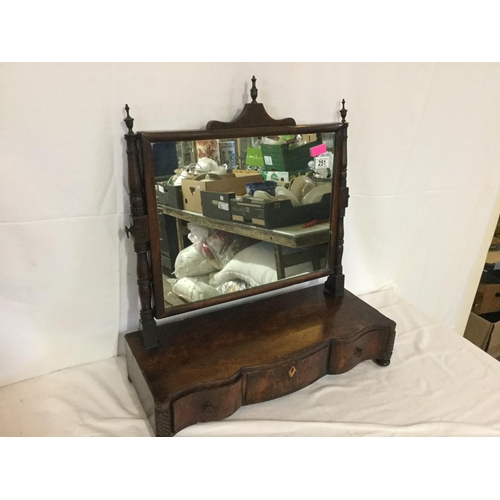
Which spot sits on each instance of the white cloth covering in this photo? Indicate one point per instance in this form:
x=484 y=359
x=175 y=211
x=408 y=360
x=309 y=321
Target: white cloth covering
x=193 y=290
x=438 y=384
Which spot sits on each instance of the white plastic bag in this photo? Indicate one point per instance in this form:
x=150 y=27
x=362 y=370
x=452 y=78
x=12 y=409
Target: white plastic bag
x=218 y=247
x=191 y=262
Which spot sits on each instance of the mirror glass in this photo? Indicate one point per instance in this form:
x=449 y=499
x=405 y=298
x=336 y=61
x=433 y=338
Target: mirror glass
x=239 y=213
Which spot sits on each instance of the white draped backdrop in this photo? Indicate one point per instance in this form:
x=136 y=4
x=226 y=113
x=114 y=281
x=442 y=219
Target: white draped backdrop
x=423 y=172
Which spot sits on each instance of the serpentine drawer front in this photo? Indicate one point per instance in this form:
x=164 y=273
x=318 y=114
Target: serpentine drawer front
x=262 y=385
x=206 y=405
x=346 y=355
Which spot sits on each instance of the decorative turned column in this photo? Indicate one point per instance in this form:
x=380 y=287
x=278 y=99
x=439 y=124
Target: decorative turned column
x=140 y=233
x=334 y=285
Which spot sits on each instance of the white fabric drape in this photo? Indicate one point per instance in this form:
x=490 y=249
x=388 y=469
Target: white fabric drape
x=423 y=177
x=438 y=384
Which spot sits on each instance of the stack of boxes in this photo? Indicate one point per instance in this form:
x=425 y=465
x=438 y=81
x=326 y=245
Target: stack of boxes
x=280 y=163
x=217 y=198
x=483 y=327
x=225 y=197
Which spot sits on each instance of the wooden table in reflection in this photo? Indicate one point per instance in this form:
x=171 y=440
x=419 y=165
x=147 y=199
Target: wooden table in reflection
x=311 y=242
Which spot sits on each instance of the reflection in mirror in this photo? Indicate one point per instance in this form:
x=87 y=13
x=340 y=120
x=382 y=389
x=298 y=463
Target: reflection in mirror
x=239 y=213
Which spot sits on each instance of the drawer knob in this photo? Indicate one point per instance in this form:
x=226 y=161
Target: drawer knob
x=208 y=408
x=292 y=371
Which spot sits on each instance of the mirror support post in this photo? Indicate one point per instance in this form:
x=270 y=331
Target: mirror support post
x=334 y=285
x=140 y=233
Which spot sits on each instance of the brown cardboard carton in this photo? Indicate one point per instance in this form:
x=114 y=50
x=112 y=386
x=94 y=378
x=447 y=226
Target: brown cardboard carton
x=484 y=332
x=478 y=331
x=230 y=183
x=487 y=298
x=494 y=346
x=493 y=260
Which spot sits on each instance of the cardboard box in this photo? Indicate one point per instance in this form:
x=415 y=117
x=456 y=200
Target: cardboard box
x=487 y=299
x=270 y=214
x=229 y=183
x=216 y=205
x=484 y=331
x=493 y=260
x=478 y=331
x=309 y=137
x=242 y=171
x=494 y=343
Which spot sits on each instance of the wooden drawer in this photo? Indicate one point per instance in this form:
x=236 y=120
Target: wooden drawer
x=262 y=385
x=346 y=356
x=206 y=405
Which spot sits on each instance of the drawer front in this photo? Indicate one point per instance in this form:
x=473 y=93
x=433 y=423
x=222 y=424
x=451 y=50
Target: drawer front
x=206 y=405
x=346 y=356
x=286 y=378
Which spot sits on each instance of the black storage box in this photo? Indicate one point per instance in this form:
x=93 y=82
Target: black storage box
x=170 y=196
x=270 y=214
x=216 y=205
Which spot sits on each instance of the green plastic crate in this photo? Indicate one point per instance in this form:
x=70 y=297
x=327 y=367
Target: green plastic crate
x=283 y=157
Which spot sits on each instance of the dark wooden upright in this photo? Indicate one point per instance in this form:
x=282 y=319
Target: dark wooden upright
x=335 y=282
x=139 y=230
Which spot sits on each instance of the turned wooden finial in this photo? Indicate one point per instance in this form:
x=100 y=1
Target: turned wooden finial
x=253 y=91
x=343 y=111
x=129 y=121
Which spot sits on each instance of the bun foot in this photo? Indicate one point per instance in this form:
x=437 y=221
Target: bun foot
x=382 y=362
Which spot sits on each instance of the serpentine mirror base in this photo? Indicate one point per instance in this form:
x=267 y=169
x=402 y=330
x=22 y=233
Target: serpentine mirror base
x=208 y=366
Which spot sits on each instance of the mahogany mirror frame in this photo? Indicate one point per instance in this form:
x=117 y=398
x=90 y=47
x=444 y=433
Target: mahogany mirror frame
x=253 y=121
